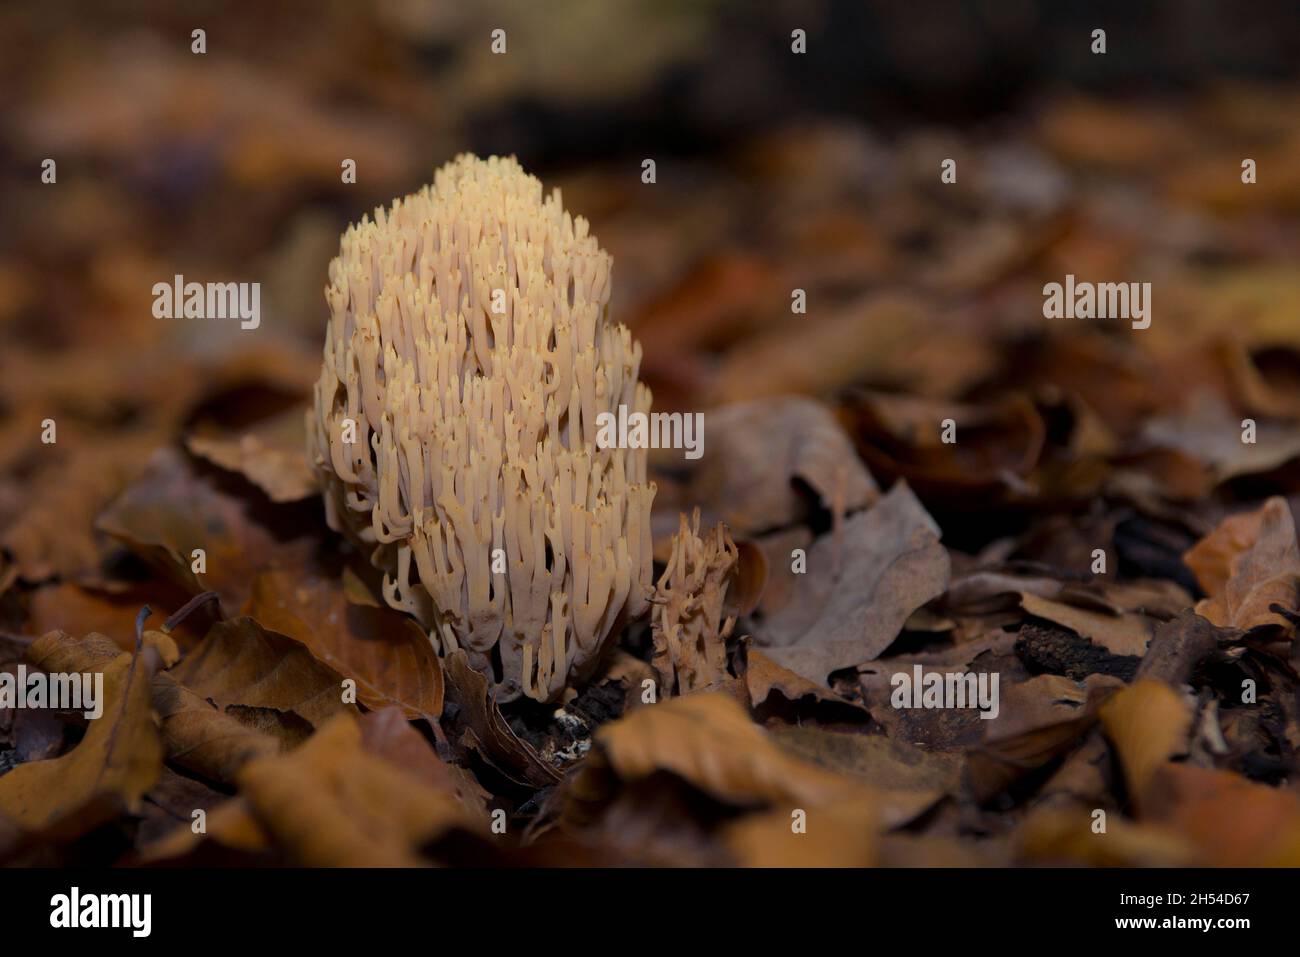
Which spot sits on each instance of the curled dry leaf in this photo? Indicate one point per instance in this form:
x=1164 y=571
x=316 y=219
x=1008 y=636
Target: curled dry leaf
x=1045 y=717
x=689 y=628
x=479 y=725
x=760 y=450
x=113 y=766
x=201 y=738
x=1119 y=633
x=995 y=448
x=1148 y=723
x=330 y=803
x=385 y=652
x=1248 y=564
x=240 y=663
x=1208 y=431
x=709 y=742
x=764 y=677
x=175 y=508
x=271 y=454
x=892 y=564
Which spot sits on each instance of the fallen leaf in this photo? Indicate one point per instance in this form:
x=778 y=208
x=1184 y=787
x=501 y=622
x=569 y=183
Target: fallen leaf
x=242 y=663
x=175 y=508
x=271 y=454
x=708 y=741
x=1248 y=564
x=892 y=565
x=486 y=731
x=1233 y=822
x=836 y=835
x=1120 y=634
x=759 y=451
x=113 y=766
x=389 y=656
x=1045 y=717
x=1148 y=723
x=332 y=804
x=201 y=738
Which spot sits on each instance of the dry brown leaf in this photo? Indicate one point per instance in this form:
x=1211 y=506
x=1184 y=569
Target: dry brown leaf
x=271 y=454
x=199 y=737
x=1044 y=718
x=1120 y=634
x=54 y=533
x=996 y=447
x=332 y=804
x=1061 y=835
x=113 y=766
x=242 y=663
x=385 y=652
x=77 y=610
x=482 y=727
x=886 y=764
x=892 y=564
x=1148 y=723
x=1232 y=821
x=388 y=734
x=763 y=677
x=941 y=729
x=708 y=741
x=838 y=835
x=175 y=508
x=758 y=450
x=1246 y=565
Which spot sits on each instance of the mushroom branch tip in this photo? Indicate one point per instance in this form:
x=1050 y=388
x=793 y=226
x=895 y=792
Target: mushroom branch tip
x=469 y=352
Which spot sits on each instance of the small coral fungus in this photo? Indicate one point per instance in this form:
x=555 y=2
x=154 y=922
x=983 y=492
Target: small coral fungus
x=469 y=353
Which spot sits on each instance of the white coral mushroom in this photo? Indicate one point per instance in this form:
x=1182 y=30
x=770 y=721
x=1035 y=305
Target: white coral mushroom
x=471 y=348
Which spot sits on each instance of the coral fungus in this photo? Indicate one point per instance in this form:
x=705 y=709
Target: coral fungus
x=469 y=353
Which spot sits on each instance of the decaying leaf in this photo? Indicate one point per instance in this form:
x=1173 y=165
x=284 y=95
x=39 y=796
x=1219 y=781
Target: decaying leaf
x=113 y=766
x=331 y=804
x=202 y=738
x=271 y=454
x=483 y=728
x=385 y=652
x=1248 y=564
x=1045 y=717
x=1148 y=723
x=173 y=510
x=242 y=663
x=892 y=564
x=760 y=449
x=708 y=741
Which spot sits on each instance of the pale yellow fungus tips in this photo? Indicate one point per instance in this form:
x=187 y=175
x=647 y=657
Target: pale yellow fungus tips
x=469 y=352
x=690 y=625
